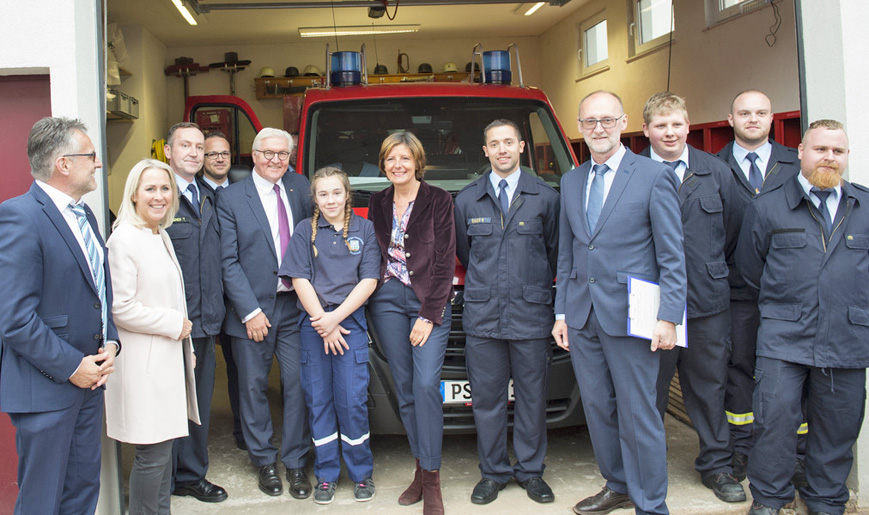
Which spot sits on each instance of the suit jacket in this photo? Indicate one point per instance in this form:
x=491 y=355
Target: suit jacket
x=196 y=240
x=510 y=260
x=51 y=308
x=639 y=233
x=430 y=244
x=144 y=403
x=250 y=265
x=813 y=294
x=783 y=165
x=711 y=216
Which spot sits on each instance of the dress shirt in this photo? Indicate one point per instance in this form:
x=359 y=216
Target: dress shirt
x=512 y=183
x=213 y=184
x=680 y=168
x=613 y=163
x=183 y=184
x=832 y=200
x=763 y=156
x=267 y=196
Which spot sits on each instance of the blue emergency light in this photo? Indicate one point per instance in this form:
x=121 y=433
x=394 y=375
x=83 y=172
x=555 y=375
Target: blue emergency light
x=346 y=68
x=496 y=64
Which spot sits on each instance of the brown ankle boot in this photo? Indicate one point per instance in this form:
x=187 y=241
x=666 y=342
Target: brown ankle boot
x=433 y=504
x=413 y=494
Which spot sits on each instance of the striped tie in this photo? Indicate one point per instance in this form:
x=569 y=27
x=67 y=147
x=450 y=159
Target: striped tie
x=97 y=271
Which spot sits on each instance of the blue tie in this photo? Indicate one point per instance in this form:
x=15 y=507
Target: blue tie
x=195 y=196
x=97 y=272
x=595 y=196
x=503 y=198
x=755 y=178
x=822 y=207
x=673 y=166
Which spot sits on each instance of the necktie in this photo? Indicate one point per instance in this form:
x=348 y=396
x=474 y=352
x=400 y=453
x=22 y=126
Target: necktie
x=755 y=178
x=673 y=166
x=97 y=272
x=822 y=207
x=595 y=196
x=503 y=198
x=194 y=195
x=283 y=229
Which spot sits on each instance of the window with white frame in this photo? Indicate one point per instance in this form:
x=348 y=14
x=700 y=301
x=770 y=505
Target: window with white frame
x=652 y=23
x=593 y=53
x=718 y=11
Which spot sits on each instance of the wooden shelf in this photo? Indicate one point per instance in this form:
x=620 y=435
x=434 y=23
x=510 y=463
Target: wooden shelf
x=278 y=87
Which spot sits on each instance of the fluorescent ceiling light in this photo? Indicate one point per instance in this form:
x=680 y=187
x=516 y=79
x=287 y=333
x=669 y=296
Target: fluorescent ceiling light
x=355 y=30
x=534 y=8
x=184 y=12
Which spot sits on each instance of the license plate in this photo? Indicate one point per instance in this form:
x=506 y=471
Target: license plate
x=459 y=392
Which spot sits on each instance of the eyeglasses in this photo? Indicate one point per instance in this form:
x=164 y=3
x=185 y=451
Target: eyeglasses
x=270 y=154
x=92 y=155
x=606 y=123
x=215 y=155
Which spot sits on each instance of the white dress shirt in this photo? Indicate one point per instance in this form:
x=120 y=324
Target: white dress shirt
x=680 y=169
x=613 y=163
x=763 y=155
x=512 y=183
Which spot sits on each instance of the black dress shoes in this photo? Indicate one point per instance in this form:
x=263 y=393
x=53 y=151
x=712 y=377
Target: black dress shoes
x=486 y=491
x=202 y=490
x=603 y=502
x=761 y=509
x=537 y=490
x=726 y=487
x=299 y=484
x=269 y=481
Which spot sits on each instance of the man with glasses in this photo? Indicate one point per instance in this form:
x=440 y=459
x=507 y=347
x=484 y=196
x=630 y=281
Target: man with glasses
x=619 y=217
x=57 y=338
x=257 y=215
x=195 y=236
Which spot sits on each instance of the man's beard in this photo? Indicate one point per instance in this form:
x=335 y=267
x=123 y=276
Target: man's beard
x=825 y=180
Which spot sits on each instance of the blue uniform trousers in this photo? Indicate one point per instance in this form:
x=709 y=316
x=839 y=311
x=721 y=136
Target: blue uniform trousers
x=617 y=377
x=336 y=392
x=231 y=384
x=416 y=370
x=254 y=360
x=59 y=457
x=703 y=378
x=491 y=364
x=835 y=407
x=745 y=318
x=190 y=454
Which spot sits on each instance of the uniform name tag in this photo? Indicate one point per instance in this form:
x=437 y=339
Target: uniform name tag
x=179 y=219
x=485 y=220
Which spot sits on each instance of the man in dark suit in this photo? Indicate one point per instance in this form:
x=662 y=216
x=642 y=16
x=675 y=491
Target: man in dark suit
x=257 y=215
x=710 y=224
x=507 y=239
x=58 y=338
x=618 y=218
x=804 y=247
x=758 y=164
x=196 y=237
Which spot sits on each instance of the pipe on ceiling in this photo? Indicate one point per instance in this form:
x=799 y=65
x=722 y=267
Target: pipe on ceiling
x=201 y=7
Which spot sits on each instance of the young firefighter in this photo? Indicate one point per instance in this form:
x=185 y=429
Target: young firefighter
x=334 y=261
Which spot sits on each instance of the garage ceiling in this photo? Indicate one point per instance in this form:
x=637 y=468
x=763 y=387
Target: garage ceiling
x=255 y=24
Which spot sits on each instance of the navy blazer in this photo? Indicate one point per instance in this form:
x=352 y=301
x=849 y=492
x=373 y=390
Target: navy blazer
x=711 y=217
x=813 y=294
x=429 y=241
x=639 y=233
x=197 y=246
x=510 y=260
x=250 y=264
x=783 y=164
x=51 y=307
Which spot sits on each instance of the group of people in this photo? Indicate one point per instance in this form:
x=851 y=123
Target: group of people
x=762 y=249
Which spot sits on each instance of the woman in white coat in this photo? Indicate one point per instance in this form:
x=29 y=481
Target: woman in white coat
x=148 y=398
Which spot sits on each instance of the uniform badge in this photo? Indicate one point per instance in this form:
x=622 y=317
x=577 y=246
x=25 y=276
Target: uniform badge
x=483 y=220
x=354 y=244
x=179 y=219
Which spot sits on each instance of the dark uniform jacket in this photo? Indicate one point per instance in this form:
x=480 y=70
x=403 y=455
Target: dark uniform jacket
x=783 y=164
x=197 y=246
x=710 y=224
x=813 y=294
x=510 y=260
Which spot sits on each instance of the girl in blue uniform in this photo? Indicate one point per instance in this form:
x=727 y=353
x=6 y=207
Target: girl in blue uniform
x=334 y=261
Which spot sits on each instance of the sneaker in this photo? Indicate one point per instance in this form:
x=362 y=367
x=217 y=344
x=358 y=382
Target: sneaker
x=364 y=491
x=325 y=492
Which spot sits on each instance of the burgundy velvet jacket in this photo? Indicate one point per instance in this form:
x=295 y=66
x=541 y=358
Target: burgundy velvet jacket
x=430 y=244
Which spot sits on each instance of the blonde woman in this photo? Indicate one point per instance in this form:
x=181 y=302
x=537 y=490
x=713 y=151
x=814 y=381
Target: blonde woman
x=146 y=404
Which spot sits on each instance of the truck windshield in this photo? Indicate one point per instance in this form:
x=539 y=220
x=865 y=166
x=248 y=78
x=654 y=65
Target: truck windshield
x=348 y=134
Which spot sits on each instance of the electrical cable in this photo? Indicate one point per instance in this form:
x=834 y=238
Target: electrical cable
x=670 y=45
x=770 y=38
x=334 y=26
x=394 y=12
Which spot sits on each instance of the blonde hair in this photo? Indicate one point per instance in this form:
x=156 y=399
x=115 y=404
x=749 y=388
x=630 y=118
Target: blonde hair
x=663 y=104
x=322 y=173
x=127 y=211
x=412 y=143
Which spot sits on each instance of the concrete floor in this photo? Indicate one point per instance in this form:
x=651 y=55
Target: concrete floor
x=571 y=472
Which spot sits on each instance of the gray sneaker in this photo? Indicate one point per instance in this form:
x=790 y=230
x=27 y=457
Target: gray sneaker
x=325 y=492
x=364 y=491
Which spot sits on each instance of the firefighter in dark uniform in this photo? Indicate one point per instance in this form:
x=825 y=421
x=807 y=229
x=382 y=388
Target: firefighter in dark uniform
x=507 y=239
x=805 y=248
